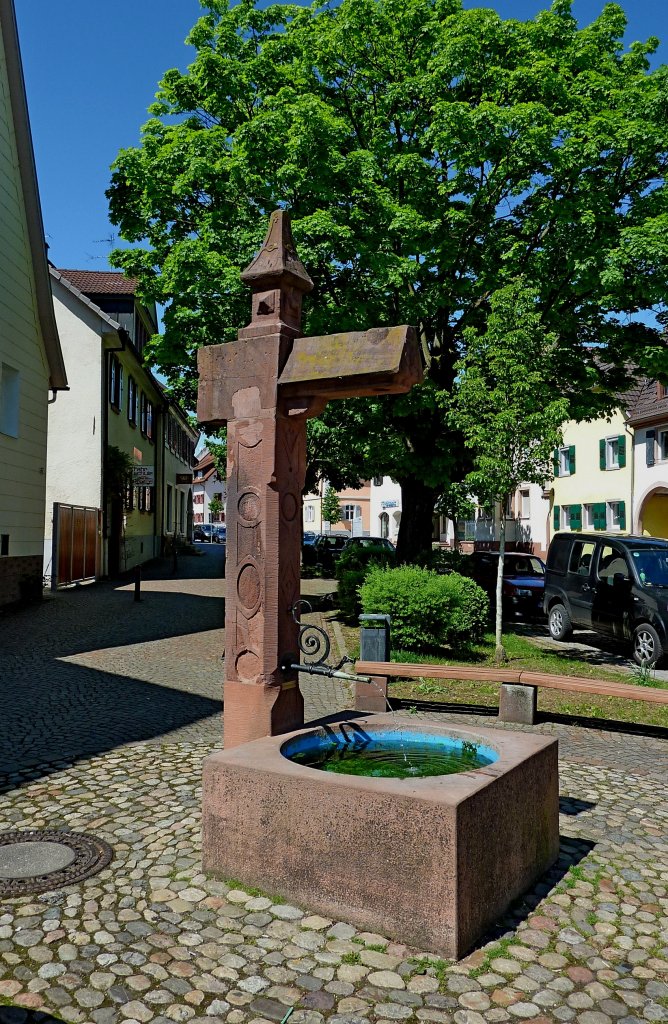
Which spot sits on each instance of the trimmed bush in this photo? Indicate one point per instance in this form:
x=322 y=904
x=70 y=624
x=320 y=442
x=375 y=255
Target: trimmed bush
x=427 y=610
x=444 y=560
x=351 y=569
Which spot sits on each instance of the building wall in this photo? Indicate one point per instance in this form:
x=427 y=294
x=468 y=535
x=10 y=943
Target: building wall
x=650 y=513
x=214 y=485
x=22 y=457
x=385 y=499
x=175 y=464
x=590 y=484
x=141 y=539
x=76 y=419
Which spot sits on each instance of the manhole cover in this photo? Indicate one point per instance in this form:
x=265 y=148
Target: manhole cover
x=34 y=862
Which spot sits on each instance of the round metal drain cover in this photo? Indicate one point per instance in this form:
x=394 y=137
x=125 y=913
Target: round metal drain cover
x=34 y=862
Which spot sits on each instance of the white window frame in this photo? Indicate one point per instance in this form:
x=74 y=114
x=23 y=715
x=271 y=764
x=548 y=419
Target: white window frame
x=564 y=517
x=610 y=507
x=525 y=503
x=309 y=514
x=564 y=461
x=612 y=452
x=588 y=516
x=356 y=512
x=661 y=432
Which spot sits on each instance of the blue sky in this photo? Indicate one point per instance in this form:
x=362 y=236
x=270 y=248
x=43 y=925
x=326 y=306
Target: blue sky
x=91 y=70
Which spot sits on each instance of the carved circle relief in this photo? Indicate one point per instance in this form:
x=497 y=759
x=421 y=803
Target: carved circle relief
x=249 y=588
x=289 y=507
x=249 y=507
x=247 y=665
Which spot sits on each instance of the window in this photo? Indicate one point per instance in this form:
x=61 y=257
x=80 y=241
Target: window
x=611 y=564
x=612 y=452
x=564 y=461
x=149 y=420
x=465 y=529
x=616 y=515
x=132 y=401
x=182 y=512
x=146 y=416
x=377 y=481
x=115 y=383
x=10 y=381
x=309 y=514
x=508 y=507
x=352 y=512
x=4 y=544
x=567 y=517
x=170 y=508
x=525 y=505
x=198 y=498
x=581 y=556
x=384 y=524
x=128 y=494
x=663 y=444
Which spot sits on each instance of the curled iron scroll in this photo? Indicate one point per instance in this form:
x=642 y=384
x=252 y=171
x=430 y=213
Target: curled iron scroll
x=313 y=640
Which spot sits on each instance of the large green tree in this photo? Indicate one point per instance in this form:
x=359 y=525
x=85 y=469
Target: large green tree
x=429 y=155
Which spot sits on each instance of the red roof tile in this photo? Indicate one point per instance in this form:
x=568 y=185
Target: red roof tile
x=100 y=282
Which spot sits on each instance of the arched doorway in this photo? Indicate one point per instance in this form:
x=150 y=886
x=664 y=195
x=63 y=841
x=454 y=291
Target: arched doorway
x=384 y=521
x=653 y=515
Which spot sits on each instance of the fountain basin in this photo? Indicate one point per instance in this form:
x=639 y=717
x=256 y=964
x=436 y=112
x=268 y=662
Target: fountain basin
x=428 y=861
x=387 y=753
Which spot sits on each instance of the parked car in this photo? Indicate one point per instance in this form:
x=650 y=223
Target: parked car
x=370 y=542
x=616 y=586
x=219 y=535
x=523 y=580
x=202 y=531
x=325 y=549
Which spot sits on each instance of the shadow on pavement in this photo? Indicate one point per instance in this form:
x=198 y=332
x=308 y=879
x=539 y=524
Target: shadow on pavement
x=84 y=712
x=571 y=853
x=20 y=1015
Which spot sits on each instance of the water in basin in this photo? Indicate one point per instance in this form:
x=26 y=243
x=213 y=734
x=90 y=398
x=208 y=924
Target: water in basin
x=388 y=754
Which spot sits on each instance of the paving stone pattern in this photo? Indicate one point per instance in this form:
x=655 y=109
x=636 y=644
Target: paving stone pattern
x=152 y=939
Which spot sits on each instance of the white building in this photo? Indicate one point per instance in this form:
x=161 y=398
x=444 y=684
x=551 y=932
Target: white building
x=207 y=485
x=385 y=513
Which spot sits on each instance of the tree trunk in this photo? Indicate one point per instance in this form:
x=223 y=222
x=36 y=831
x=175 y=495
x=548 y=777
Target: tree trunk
x=500 y=653
x=417 y=513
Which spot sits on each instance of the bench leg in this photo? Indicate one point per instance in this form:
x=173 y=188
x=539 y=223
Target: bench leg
x=518 y=703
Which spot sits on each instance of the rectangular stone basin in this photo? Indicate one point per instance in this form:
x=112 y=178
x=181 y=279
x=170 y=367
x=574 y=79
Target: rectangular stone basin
x=431 y=862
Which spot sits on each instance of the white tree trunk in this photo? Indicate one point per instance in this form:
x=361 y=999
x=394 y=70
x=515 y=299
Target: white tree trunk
x=500 y=650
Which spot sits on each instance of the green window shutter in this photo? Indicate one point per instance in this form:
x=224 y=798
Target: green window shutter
x=556 y=517
x=555 y=461
x=601 y=453
x=650 y=438
x=599 y=516
x=576 y=517
x=621 y=442
x=622 y=515
x=571 y=459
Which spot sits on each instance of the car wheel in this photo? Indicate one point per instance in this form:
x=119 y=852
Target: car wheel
x=559 y=622
x=647 y=646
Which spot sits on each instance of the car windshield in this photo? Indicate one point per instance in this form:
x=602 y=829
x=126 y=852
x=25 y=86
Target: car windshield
x=652 y=566
x=523 y=566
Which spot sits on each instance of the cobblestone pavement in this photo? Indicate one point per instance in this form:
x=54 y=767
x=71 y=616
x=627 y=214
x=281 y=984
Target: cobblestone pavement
x=152 y=939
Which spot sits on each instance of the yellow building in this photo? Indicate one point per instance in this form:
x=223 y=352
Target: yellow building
x=593 y=477
x=31 y=360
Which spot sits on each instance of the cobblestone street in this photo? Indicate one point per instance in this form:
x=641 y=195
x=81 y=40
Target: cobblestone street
x=107 y=710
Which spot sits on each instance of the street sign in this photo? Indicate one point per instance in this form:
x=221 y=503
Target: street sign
x=143 y=476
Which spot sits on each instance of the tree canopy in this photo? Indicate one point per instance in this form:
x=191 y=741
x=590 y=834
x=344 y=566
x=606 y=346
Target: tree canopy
x=430 y=156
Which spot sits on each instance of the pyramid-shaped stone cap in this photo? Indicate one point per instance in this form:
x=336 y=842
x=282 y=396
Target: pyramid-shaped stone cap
x=277 y=262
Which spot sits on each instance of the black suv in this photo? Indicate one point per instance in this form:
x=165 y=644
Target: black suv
x=617 y=586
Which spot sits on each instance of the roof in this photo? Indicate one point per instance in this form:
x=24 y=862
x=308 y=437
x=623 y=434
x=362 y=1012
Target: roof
x=33 y=210
x=101 y=282
x=646 y=402
x=58 y=275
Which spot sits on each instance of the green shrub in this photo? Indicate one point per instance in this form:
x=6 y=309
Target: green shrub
x=427 y=610
x=351 y=569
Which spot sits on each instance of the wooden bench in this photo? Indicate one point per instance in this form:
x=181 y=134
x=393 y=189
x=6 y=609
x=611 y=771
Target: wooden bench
x=519 y=689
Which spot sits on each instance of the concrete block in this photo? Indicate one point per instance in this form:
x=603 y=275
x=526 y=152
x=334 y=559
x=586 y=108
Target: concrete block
x=518 y=703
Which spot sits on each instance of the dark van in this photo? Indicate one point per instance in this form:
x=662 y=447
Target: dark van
x=616 y=586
